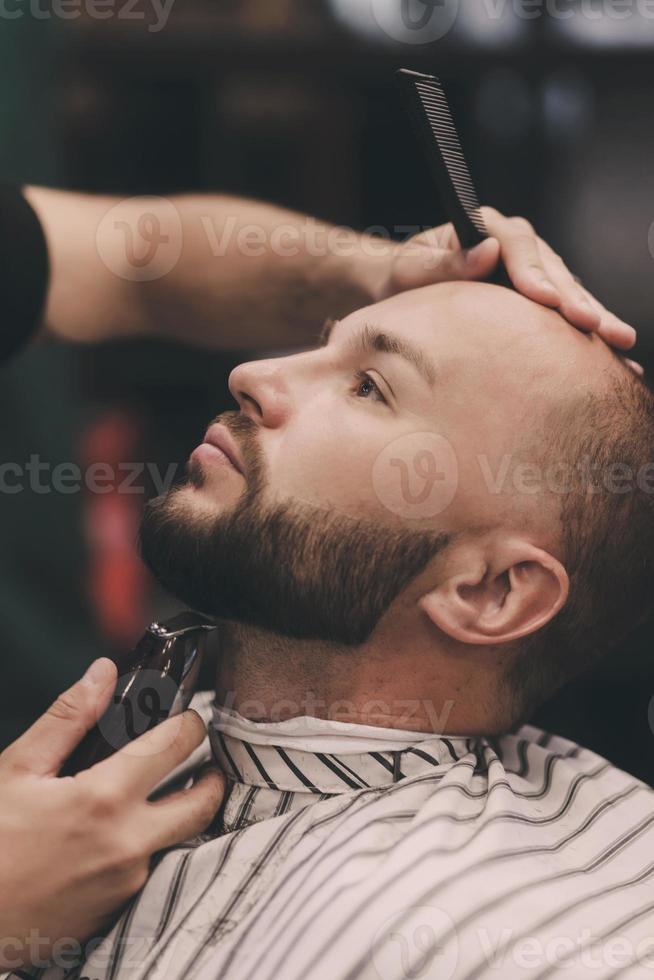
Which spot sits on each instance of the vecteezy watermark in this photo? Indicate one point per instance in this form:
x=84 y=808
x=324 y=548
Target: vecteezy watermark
x=578 y=952
x=407 y=714
x=592 y=10
x=311 y=237
x=43 y=477
x=289 y=239
x=561 y=477
x=156 y=16
x=66 y=953
x=416 y=476
x=415 y=943
x=416 y=21
x=426 y=21
x=142 y=238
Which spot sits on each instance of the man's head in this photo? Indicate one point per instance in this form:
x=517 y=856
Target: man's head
x=454 y=458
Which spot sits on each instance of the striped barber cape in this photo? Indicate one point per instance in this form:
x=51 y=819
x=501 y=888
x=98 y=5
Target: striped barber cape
x=523 y=856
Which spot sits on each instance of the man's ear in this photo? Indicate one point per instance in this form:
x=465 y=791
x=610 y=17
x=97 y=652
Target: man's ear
x=491 y=595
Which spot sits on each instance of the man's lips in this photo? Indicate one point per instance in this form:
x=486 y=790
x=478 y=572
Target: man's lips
x=219 y=437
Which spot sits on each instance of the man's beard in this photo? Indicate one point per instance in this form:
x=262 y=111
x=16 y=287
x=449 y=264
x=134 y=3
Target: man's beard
x=293 y=569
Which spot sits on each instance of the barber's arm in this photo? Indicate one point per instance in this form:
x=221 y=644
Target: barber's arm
x=75 y=849
x=233 y=273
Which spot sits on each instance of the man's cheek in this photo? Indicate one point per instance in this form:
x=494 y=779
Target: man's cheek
x=334 y=476
x=416 y=476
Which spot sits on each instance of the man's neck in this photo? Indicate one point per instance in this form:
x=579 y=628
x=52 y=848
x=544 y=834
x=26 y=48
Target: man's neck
x=266 y=677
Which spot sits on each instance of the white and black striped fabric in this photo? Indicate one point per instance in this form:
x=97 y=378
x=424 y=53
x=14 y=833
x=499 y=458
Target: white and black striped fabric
x=521 y=857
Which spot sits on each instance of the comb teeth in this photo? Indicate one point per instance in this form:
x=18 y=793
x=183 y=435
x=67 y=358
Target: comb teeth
x=436 y=108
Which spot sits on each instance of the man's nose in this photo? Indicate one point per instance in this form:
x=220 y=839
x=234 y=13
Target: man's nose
x=261 y=392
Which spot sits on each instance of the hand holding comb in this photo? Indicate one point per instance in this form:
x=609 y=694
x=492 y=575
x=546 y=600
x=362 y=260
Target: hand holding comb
x=430 y=113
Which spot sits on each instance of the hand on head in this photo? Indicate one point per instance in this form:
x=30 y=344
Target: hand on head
x=534 y=268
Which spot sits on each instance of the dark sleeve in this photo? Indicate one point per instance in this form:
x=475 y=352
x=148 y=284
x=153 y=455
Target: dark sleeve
x=24 y=271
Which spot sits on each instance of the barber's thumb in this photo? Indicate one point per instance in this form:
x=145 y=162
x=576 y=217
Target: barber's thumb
x=76 y=711
x=95 y=689
x=44 y=747
x=421 y=264
x=477 y=262
x=101 y=673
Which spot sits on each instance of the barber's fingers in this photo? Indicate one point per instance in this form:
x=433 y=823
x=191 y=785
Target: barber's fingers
x=478 y=262
x=140 y=766
x=580 y=307
x=45 y=746
x=614 y=331
x=538 y=272
x=522 y=258
x=637 y=368
x=186 y=812
x=609 y=327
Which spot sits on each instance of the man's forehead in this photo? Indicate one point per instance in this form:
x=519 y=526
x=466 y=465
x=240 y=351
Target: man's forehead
x=487 y=332
x=446 y=316
x=491 y=318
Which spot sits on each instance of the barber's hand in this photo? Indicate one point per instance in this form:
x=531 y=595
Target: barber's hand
x=534 y=268
x=73 y=850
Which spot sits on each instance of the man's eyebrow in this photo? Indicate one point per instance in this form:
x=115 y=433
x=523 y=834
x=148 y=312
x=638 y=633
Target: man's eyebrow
x=371 y=339
x=326 y=332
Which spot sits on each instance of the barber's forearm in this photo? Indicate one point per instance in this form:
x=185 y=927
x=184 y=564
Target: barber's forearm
x=231 y=273
x=255 y=275
x=213 y=270
x=86 y=300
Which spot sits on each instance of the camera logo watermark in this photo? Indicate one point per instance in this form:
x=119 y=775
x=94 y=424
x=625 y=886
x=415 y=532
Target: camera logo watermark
x=142 y=700
x=416 y=476
x=409 y=946
x=415 y=21
x=140 y=238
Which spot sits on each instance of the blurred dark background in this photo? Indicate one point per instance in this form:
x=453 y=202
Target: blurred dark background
x=294 y=101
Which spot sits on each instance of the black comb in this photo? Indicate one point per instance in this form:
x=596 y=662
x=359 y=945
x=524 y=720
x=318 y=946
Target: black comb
x=430 y=113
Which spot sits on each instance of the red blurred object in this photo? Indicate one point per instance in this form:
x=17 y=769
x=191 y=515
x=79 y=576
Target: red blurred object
x=118 y=583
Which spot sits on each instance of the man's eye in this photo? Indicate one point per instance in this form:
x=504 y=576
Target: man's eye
x=367 y=388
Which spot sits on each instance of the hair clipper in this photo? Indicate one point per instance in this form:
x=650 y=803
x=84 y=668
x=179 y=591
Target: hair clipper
x=156 y=681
